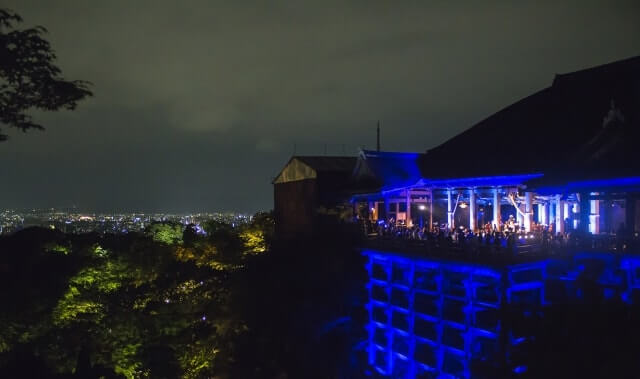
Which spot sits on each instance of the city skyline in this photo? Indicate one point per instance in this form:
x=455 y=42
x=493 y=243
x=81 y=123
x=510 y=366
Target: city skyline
x=76 y=221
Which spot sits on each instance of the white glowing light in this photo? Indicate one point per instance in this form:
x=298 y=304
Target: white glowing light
x=422 y=207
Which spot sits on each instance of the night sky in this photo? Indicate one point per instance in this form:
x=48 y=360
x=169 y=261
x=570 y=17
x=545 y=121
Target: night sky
x=198 y=104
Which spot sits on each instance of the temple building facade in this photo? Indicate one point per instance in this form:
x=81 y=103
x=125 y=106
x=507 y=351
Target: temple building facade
x=564 y=158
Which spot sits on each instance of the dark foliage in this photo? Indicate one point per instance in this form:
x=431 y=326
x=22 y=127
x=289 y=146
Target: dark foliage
x=29 y=77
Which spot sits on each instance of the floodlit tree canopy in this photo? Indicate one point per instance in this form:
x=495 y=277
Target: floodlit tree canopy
x=134 y=305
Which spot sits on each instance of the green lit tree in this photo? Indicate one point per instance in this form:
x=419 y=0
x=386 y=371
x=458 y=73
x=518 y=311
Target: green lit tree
x=168 y=233
x=122 y=306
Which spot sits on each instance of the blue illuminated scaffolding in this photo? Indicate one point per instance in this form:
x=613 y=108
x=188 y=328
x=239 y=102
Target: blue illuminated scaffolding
x=433 y=318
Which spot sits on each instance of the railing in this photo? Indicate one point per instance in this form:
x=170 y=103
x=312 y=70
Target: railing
x=499 y=247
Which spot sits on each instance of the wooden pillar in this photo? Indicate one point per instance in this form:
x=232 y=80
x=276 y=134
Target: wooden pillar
x=376 y=206
x=472 y=210
x=408 y=220
x=559 y=215
x=594 y=216
x=583 y=210
x=496 y=207
x=450 y=224
x=540 y=214
x=519 y=216
x=528 y=211
x=370 y=210
x=431 y=209
x=543 y=213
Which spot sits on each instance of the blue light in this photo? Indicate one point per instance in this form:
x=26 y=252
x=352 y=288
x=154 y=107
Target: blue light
x=428 y=315
x=520 y=369
x=422 y=335
x=413 y=179
x=482 y=181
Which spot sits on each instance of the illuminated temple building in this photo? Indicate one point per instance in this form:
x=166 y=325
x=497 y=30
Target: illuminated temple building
x=561 y=164
x=568 y=151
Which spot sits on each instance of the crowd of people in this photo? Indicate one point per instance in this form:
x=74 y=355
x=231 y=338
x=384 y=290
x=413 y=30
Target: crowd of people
x=509 y=236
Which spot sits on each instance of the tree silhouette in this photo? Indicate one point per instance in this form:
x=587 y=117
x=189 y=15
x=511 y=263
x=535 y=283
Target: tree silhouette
x=29 y=79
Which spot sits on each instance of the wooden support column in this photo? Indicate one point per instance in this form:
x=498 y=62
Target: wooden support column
x=408 y=220
x=543 y=213
x=496 y=207
x=472 y=210
x=528 y=211
x=539 y=220
x=559 y=215
x=376 y=206
x=594 y=216
x=371 y=211
x=450 y=224
x=430 y=209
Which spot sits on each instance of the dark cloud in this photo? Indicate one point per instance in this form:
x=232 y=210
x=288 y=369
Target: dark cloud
x=199 y=104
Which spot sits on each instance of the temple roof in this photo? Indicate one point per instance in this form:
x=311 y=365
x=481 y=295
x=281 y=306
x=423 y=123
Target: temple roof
x=586 y=123
x=329 y=164
x=337 y=169
x=584 y=127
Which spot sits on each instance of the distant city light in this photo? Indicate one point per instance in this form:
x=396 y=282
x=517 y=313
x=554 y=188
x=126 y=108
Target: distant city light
x=73 y=222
